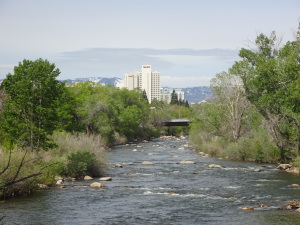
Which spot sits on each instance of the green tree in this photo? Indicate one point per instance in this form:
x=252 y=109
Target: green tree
x=30 y=113
x=228 y=91
x=271 y=76
x=30 y=110
x=174 y=98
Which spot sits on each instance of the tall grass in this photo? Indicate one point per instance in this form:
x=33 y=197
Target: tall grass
x=81 y=154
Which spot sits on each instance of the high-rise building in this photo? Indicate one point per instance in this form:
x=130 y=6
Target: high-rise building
x=166 y=94
x=146 y=80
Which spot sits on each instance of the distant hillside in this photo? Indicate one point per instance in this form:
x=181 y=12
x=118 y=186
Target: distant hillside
x=197 y=94
x=102 y=80
x=192 y=94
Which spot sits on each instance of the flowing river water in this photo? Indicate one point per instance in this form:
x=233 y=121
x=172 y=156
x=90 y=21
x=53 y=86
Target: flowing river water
x=166 y=192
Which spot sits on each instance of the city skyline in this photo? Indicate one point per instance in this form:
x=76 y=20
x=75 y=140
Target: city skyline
x=145 y=80
x=188 y=42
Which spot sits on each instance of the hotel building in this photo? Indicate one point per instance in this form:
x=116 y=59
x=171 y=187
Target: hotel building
x=144 y=80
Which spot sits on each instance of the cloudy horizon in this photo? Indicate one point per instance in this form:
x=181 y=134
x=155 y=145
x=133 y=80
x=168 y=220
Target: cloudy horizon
x=188 y=42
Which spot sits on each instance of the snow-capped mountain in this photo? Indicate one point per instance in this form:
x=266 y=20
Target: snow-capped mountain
x=102 y=80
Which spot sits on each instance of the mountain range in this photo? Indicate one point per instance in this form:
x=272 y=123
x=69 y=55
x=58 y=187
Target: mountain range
x=191 y=94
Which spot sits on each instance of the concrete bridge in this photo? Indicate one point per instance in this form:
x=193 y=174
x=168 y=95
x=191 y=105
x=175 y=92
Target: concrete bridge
x=177 y=122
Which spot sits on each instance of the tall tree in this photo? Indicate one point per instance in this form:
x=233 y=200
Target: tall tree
x=228 y=90
x=174 y=98
x=271 y=76
x=30 y=113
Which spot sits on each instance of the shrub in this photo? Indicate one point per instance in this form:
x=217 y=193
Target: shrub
x=81 y=154
x=22 y=174
x=296 y=162
x=259 y=148
x=80 y=163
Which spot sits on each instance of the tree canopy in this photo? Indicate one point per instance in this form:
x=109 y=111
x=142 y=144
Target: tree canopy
x=31 y=107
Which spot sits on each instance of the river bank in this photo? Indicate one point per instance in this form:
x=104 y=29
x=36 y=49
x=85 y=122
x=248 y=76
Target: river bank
x=164 y=192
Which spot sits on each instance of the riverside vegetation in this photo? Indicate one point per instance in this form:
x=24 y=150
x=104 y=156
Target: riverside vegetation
x=48 y=129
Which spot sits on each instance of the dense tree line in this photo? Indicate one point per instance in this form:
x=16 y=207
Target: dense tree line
x=50 y=129
x=255 y=114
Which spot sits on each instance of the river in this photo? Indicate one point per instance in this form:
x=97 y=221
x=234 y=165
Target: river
x=166 y=192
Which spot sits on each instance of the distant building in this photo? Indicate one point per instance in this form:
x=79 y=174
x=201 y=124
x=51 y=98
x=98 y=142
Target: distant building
x=166 y=94
x=146 y=80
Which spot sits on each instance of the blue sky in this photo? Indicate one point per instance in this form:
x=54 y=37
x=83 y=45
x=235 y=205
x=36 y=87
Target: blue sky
x=187 y=41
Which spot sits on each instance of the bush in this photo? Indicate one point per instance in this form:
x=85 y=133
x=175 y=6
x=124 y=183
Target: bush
x=80 y=163
x=259 y=148
x=81 y=154
x=23 y=164
x=296 y=162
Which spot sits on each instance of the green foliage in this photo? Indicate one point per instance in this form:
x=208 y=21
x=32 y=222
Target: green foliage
x=71 y=147
x=30 y=111
x=22 y=174
x=79 y=164
x=259 y=148
x=174 y=98
x=296 y=162
x=130 y=119
x=111 y=112
x=271 y=76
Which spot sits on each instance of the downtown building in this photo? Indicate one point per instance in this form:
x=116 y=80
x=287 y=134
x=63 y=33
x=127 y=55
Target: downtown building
x=146 y=80
x=166 y=94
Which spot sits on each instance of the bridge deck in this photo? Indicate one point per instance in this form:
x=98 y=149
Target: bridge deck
x=177 y=122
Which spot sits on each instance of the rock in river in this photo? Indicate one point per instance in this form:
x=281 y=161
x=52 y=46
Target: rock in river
x=87 y=178
x=284 y=166
x=105 y=179
x=96 y=185
x=147 y=163
x=214 y=166
x=118 y=165
x=187 y=162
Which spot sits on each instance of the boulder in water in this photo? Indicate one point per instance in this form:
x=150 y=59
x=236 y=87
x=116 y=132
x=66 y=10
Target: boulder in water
x=105 y=179
x=88 y=178
x=118 y=165
x=248 y=208
x=96 y=185
x=59 y=182
x=214 y=166
x=43 y=187
x=283 y=166
x=187 y=162
x=147 y=163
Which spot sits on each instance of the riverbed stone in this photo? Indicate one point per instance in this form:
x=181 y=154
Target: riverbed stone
x=293 y=170
x=187 y=162
x=43 y=187
x=88 y=178
x=214 y=166
x=283 y=166
x=292 y=204
x=105 y=179
x=59 y=182
x=147 y=163
x=96 y=185
x=248 y=208
x=58 y=178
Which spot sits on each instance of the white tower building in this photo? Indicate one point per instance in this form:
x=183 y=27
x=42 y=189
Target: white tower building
x=144 y=80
